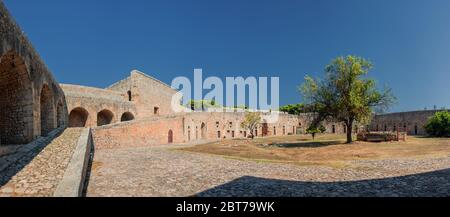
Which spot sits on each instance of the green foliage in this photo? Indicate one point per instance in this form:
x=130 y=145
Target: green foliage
x=439 y=125
x=345 y=94
x=315 y=130
x=296 y=109
x=251 y=121
x=202 y=104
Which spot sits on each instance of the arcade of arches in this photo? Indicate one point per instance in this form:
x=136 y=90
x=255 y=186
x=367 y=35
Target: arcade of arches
x=79 y=117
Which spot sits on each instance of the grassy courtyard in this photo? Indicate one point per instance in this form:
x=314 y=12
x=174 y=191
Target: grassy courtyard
x=327 y=150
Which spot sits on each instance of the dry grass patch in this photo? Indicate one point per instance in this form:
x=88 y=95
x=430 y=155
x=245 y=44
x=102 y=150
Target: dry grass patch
x=328 y=150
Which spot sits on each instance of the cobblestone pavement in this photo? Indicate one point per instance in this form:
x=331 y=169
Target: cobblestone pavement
x=38 y=172
x=164 y=172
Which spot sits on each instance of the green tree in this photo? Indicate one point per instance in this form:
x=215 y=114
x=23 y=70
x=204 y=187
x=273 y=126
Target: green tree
x=313 y=130
x=439 y=124
x=251 y=121
x=296 y=109
x=345 y=94
x=201 y=105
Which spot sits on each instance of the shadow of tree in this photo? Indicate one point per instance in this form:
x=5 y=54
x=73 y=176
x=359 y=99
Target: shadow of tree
x=312 y=144
x=432 y=184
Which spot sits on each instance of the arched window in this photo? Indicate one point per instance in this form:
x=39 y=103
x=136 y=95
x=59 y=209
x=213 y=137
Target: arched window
x=130 y=97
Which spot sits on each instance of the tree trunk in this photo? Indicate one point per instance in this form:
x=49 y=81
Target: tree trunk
x=349 y=133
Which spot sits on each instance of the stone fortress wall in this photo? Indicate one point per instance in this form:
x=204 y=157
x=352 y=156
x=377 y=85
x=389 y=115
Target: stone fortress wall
x=32 y=104
x=411 y=122
x=134 y=111
x=91 y=107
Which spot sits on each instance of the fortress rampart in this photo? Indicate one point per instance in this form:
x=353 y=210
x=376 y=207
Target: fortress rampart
x=31 y=102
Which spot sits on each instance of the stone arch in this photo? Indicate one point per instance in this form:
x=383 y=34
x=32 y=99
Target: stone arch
x=78 y=117
x=60 y=114
x=16 y=101
x=127 y=116
x=203 y=130
x=47 y=106
x=170 y=137
x=105 y=117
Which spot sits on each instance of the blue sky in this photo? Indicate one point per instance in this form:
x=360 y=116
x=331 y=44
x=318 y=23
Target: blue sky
x=97 y=42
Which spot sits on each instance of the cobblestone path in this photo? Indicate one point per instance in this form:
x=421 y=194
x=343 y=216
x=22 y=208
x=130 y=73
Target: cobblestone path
x=38 y=172
x=164 y=172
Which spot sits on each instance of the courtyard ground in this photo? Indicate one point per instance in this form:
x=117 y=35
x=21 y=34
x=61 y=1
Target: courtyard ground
x=420 y=167
x=327 y=149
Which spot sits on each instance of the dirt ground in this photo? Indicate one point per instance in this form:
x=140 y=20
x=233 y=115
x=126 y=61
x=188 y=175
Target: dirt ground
x=329 y=150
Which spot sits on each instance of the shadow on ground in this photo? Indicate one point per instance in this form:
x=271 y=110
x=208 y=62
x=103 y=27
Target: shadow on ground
x=317 y=144
x=433 y=184
x=18 y=161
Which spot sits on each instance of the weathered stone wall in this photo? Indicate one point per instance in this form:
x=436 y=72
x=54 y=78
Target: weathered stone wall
x=186 y=128
x=411 y=122
x=144 y=132
x=150 y=96
x=31 y=101
x=90 y=107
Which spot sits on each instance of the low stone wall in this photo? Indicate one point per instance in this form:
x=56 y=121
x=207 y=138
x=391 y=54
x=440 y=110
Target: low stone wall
x=147 y=132
x=73 y=181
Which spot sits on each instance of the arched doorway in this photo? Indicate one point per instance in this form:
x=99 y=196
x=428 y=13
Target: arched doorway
x=47 y=110
x=170 y=137
x=127 y=116
x=104 y=117
x=265 y=129
x=16 y=101
x=203 y=131
x=78 y=117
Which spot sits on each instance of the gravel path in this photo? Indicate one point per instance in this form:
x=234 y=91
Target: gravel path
x=164 y=172
x=38 y=172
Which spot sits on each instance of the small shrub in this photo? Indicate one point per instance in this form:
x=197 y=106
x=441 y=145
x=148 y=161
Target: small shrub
x=439 y=125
